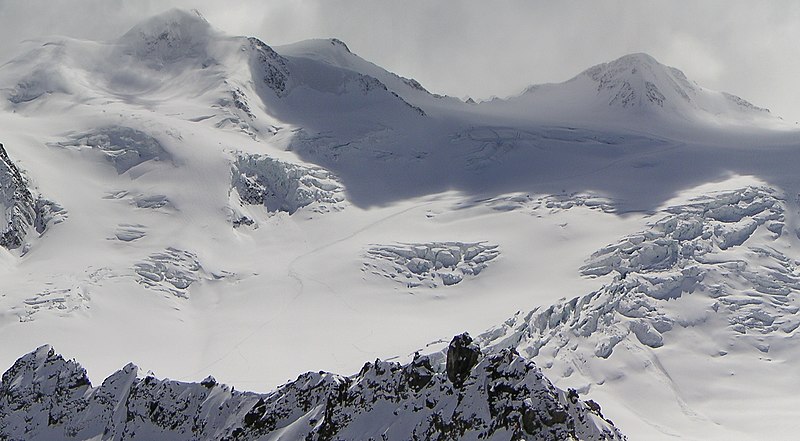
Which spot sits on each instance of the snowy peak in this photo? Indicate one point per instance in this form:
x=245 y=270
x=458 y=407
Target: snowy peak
x=169 y=36
x=44 y=369
x=177 y=56
x=638 y=80
x=635 y=86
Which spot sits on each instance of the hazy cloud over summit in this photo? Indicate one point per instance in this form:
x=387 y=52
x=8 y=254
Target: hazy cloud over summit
x=480 y=48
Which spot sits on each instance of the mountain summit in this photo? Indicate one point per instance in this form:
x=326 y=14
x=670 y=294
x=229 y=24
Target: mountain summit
x=169 y=36
x=638 y=80
x=634 y=86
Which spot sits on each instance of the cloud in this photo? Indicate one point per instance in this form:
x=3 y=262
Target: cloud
x=481 y=48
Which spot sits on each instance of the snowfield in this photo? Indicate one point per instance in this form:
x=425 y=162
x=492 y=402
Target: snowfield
x=202 y=204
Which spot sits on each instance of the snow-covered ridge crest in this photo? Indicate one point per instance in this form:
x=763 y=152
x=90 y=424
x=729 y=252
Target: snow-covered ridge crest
x=499 y=397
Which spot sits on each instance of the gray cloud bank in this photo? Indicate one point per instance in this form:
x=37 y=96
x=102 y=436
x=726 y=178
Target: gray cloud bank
x=481 y=48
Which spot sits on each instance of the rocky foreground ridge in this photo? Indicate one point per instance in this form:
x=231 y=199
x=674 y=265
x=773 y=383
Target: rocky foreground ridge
x=468 y=397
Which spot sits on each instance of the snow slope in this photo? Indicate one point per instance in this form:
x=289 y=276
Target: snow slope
x=223 y=207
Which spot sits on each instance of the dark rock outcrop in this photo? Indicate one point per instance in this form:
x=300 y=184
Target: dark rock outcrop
x=23 y=210
x=17 y=201
x=462 y=356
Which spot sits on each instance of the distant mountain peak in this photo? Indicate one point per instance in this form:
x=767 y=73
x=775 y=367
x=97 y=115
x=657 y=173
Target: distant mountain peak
x=637 y=58
x=638 y=79
x=169 y=36
x=635 y=86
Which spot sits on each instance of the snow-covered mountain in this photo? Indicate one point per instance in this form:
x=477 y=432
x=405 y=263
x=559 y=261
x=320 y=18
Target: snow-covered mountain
x=44 y=397
x=638 y=89
x=207 y=204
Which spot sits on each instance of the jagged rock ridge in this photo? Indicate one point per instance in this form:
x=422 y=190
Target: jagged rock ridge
x=500 y=397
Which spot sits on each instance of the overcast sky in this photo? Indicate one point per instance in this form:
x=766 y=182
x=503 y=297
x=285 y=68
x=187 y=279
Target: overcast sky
x=485 y=48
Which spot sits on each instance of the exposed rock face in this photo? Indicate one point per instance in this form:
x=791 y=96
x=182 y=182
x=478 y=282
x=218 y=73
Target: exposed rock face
x=462 y=356
x=17 y=201
x=44 y=397
x=269 y=67
x=23 y=210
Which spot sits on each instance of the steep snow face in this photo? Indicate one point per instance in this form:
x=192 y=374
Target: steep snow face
x=334 y=52
x=44 y=397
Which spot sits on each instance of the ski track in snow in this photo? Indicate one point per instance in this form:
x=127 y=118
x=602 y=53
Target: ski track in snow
x=296 y=276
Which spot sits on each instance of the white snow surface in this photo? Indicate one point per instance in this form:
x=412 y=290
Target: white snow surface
x=686 y=329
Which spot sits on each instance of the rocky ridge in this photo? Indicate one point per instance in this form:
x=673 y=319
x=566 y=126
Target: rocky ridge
x=497 y=397
x=23 y=209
